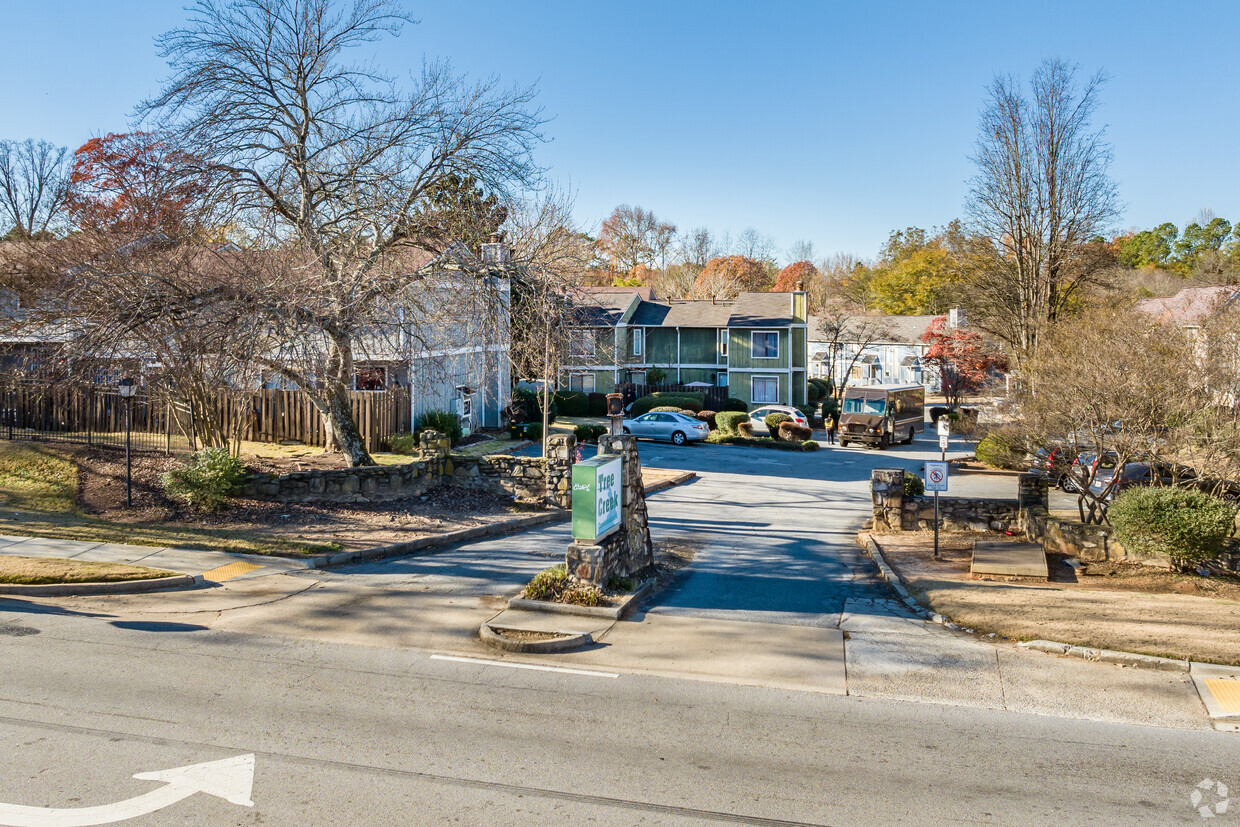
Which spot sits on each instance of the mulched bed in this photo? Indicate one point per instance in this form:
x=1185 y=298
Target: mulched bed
x=101 y=492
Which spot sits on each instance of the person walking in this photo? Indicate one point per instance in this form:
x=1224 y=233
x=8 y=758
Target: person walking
x=833 y=425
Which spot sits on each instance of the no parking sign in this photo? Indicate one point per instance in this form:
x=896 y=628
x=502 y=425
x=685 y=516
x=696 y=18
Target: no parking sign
x=936 y=476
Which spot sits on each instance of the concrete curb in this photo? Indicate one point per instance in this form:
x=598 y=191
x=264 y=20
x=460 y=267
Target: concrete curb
x=446 y=539
x=1050 y=647
x=893 y=580
x=544 y=647
x=605 y=612
x=1107 y=655
x=668 y=483
x=180 y=581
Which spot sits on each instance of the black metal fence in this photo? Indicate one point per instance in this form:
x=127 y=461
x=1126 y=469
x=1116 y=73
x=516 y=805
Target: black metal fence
x=90 y=416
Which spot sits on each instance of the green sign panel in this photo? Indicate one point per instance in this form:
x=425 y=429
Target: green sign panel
x=596 y=498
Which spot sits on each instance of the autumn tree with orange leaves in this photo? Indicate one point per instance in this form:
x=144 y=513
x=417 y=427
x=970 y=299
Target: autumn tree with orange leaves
x=795 y=276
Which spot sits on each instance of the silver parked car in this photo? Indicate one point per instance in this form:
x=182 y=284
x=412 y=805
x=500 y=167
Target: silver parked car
x=757 y=419
x=674 y=427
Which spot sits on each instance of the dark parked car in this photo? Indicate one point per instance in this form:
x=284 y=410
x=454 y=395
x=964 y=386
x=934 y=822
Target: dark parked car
x=1055 y=463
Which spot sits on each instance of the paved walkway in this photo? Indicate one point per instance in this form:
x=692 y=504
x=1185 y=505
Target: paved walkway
x=216 y=566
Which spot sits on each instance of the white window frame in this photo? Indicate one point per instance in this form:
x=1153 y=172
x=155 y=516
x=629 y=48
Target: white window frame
x=723 y=343
x=753 y=396
x=583 y=377
x=752 y=333
x=638 y=341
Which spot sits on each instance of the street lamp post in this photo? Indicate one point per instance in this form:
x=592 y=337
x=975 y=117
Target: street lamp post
x=127 y=389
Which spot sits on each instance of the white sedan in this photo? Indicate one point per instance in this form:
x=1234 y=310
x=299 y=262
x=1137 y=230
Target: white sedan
x=757 y=418
x=675 y=427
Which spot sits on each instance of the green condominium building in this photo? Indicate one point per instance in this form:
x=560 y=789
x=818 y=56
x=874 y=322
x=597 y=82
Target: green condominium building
x=754 y=345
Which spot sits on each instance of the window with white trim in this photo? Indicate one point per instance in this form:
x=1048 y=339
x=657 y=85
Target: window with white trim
x=637 y=341
x=723 y=343
x=637 y=377
x=764 y=389
x=764 y=345
x=583 y=382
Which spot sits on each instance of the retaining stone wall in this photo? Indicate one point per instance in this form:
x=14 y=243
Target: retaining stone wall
x=526 y=479
x=893 y=511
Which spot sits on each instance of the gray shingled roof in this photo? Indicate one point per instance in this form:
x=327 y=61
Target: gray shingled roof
x=746 y=310
x=601 y=309
x=903 y=329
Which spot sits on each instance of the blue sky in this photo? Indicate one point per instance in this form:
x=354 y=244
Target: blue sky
x=832 y=122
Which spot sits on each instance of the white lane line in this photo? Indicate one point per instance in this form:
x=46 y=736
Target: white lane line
x=535 y=667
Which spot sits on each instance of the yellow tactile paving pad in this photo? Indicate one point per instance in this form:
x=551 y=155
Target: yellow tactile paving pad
x=1226 y=692
x=229 y=571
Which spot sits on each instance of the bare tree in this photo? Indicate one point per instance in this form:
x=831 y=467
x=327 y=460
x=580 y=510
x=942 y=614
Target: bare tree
x=34 y=180
x=845 y=327
x=633 y=236
x=754 y=245
x=801 y=250
x=1041 y=191
x=334 y=169
x=697 y=248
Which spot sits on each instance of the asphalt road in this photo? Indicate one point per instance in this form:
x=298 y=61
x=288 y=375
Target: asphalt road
x=337 y=682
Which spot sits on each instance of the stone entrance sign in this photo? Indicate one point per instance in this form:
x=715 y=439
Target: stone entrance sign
x=597 y=489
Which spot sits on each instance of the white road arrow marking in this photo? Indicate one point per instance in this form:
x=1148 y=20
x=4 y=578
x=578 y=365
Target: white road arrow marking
x=232 y=779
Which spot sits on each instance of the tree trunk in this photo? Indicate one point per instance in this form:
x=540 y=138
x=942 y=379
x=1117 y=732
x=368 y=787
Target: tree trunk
x=343 y=435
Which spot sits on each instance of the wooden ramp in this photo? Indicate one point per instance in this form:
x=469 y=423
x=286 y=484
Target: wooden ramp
x=1008 y=560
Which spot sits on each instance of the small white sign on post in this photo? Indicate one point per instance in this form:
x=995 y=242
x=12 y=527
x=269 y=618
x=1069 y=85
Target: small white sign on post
x=943 y=442
x=936 y=476
x=944 y=426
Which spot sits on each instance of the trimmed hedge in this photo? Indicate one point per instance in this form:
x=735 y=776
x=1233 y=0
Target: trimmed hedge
x=677 y=401
x=719 y=438
x=402 y=443
x=813 y=392
x=527 y=407
x=792 y=432
x=534 y=431
x=708 y=417
x=728 y=421
x=745 y=428
x=446 y=423
x=598 y=404
x=1001 y=451
x=572 y=403
x=734 y=404
x=1182 y=525
x=774 y=420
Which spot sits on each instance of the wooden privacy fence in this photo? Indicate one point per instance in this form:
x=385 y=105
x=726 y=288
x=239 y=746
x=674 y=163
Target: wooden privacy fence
x=158 y=421
x=714 y=396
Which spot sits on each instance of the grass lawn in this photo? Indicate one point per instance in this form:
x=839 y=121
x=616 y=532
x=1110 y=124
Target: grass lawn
x=33 y=571
x=38 y=490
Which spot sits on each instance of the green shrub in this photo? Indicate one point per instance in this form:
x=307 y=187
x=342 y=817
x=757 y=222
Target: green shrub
x=211 y=476
x=554 y=584
x=598 y=404
x=666 y=409
x=792 y=432
x=589 y=433
x=548 y=584
x=810 y=445
x=534 y=431
x=813 y=392
x=830 y=408
x=685 y=401
x=1182 y=525
x=810 y=412
x=572 y=403
x=448 y=424
x=708 y=417
x=734 y=404
x=772 y=421
x=402 y=443
x=913 y=486
x=720 y=438
x=1000 y=450
x=728 y=421
x=656 y=376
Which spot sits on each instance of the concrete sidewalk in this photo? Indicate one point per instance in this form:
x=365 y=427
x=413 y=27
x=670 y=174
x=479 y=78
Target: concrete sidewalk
x=215 y=566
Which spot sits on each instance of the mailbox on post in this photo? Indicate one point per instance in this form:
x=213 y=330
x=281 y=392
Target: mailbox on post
x=596 y=498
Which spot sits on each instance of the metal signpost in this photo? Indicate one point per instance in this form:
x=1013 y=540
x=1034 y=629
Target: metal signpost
x=128 y=388
x=936 y=475
x=596 y=498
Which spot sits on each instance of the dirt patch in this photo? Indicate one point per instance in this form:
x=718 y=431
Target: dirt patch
x=1120 y=606
x=526 y=636
x=43 y=570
